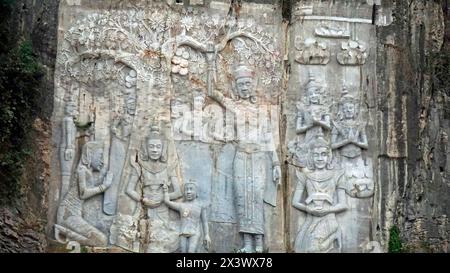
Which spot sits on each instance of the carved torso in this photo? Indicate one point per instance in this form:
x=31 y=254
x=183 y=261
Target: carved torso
x=155 y=176
x=190 y=218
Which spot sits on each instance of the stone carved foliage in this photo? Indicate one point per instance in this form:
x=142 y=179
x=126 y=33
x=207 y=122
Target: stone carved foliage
x=352 y=53
x=312 y=52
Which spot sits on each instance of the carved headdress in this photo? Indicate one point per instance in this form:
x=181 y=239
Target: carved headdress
x=88 y=150
x=155 y=133
x=346 y=97
x=314 y=85
x=193 y=183
x=243 y=71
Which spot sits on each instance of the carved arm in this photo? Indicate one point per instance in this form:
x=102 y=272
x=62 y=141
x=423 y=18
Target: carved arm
x=303 y=124
x=324 y=122
x=336 y=143
x=85 y=192
x=207 y=239
x=173 y=205
x=341 y=202
x=297 y=197
x=362 y=140
x=176 y=188
x=131 y=188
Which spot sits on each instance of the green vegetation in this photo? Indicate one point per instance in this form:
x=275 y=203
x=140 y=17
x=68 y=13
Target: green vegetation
x=395 y=242
x=20 y=76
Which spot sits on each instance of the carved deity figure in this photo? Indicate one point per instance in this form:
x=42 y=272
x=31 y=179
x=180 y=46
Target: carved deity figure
x=120 y=131
x=325 y=197
x=67 y=156
x=349 y=139
x=91 y=179
x=254 y=182
x=314 y=118
x=193 y=219
x=153 y=172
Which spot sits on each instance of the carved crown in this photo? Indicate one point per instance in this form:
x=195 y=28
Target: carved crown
x=155 y=130
x=313 y=83
x=346 y=97
x=320 y=142
x=243 y=71
x=191 y=182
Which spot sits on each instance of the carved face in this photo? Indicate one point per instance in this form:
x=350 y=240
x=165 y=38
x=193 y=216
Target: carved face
x=199 y=102
x=131 y=104
x=190 y=192
x=314 y=95
x=154 y=147
x=97 y=159
x=244 y=87
x=320 y=157
x=348 y=110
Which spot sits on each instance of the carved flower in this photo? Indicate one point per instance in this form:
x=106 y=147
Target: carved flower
x=231 y=22
x=241 y=24
x=215 y=20
x=157 y=22
x=172 y=20
x=102 y=21
x=187 y=23
x=250 y=22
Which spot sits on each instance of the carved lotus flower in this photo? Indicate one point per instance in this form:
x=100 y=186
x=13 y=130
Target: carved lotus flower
x=231 y=22
x=187 y=23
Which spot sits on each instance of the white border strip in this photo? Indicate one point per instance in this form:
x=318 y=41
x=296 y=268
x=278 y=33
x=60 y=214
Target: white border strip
x=339 y=19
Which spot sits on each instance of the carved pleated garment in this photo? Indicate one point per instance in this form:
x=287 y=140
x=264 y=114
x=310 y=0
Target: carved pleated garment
x=250 y=178
x=319 y=234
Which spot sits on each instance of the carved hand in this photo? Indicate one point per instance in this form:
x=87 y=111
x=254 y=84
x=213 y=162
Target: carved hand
x=147 y=202
x=68 y=154
x=316 y=212
x=207 y=242
x=108 y=180
x=277 y=175
x=166 y=193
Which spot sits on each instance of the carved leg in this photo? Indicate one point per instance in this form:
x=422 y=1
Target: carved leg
x=259 y=243
x=193 y=243
x=247 y=244
x=94 y=236
x=184 y=244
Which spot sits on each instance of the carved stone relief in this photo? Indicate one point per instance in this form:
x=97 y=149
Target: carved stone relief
x=153 y=100
x=169 y=133
x=352 y=53
x=311 y=51
x=329 y=151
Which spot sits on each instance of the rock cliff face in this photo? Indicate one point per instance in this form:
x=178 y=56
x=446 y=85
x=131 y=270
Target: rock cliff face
x=410 y=113
x=23 y=221
x=413 y=56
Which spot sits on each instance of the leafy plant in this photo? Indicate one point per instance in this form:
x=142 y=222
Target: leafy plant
x=395 y=242
x=20 y=75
